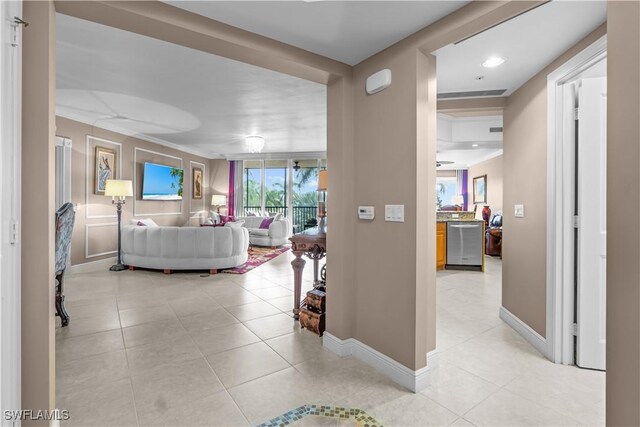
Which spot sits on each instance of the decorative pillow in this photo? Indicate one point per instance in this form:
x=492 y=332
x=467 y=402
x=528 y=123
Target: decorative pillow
x=224 y=219
x=266 y=223
x=278 y=217
x=145 y=221
x=234 y=224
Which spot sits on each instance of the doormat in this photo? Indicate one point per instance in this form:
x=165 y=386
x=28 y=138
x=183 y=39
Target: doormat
x=257 y=256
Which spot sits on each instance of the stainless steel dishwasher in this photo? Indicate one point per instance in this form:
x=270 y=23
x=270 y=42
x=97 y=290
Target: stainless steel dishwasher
x=464 y=244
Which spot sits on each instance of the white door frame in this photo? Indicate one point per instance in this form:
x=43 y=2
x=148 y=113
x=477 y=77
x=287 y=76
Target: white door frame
x=560 y=191
x=10 y=194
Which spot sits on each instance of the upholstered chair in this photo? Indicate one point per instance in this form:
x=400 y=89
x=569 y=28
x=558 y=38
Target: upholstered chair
x=65 y=218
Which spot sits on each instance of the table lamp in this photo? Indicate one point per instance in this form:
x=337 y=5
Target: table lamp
x=118 y=189
x=218 y=200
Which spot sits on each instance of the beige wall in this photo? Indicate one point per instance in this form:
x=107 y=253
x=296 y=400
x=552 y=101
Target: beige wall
x=493 y=169
x=38 y=125
x=389 y=149
x=95 y=230
x=525 y=165
x=623 y=235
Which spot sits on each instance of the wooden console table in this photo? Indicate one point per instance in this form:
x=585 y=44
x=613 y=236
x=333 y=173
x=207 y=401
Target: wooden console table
x=313 y=244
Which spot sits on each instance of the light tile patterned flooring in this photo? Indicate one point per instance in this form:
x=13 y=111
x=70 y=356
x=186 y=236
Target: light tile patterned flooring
x=148 y=349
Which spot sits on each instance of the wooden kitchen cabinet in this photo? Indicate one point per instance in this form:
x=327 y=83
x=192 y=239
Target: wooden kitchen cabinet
x=441 y=245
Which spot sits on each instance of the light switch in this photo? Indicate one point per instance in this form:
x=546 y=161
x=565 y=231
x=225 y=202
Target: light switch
x=518 y=211
x=394 y=213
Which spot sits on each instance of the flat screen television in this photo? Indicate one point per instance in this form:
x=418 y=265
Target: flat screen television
x=161 y=182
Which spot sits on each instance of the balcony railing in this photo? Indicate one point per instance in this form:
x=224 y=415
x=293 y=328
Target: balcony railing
x=300 y=219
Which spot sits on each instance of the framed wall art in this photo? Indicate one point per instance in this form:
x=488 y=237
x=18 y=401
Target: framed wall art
x=105 y=168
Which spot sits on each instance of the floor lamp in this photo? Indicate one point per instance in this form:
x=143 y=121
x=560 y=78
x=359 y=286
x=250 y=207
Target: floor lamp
x=118 y=190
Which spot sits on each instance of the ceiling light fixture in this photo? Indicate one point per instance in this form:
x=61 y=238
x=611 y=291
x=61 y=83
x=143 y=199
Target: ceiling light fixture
x=493 y=62
x=474 y=145
x=255 y=143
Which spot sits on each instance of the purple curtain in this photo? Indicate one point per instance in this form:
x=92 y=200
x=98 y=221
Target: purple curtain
x=232 y=188
x=465 y=185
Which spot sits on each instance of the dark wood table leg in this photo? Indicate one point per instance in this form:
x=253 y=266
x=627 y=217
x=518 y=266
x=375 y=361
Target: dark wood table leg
x=316 y=262
x=298 y=266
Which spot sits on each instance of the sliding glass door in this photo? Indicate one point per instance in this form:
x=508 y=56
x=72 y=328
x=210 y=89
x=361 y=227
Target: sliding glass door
x=271 y=187
x=276 y=187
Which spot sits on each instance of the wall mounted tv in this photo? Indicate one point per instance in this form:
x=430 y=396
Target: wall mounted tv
x=161 y=182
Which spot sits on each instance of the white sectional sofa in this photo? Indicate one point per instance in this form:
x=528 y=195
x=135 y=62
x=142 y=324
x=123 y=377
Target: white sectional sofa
x=277 y=234
x=184 y=248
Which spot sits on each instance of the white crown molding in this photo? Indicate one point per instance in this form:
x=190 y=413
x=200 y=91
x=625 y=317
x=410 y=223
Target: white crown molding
x=123 y=131
x=415 y=381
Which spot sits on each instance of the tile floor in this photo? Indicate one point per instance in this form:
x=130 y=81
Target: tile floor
x=148 y=349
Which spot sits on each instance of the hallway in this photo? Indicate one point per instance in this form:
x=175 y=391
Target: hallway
x=490 y=374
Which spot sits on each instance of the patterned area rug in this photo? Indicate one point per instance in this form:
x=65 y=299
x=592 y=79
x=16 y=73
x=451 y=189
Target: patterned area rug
x=257 y=256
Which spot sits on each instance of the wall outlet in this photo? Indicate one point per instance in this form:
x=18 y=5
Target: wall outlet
x=394 y=213
x=518 y=211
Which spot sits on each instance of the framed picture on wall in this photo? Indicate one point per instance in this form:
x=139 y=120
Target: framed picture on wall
x=197 y=183
x=105 y=168
x=480 y=189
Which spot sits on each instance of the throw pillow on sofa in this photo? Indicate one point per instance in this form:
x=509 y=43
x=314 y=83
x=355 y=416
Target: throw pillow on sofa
x=144 y=221
x=266 y=223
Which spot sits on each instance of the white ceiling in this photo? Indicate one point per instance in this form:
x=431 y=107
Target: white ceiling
x=529 y=43
x=201 y=103
x=347 y=31
x=458 y=135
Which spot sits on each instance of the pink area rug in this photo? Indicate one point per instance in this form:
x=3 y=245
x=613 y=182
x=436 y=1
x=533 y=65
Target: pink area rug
x=257 y=256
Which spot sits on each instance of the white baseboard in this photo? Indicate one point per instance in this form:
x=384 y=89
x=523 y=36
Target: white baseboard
x=92 y=267
x=532 y=337
x=413 y=380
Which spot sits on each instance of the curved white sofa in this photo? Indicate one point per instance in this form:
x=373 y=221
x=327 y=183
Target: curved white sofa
x=277 y=235
x=184 y=248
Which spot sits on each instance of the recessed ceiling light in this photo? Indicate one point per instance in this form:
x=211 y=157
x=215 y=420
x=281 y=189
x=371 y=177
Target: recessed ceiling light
x=492 y=62
x=474 y=145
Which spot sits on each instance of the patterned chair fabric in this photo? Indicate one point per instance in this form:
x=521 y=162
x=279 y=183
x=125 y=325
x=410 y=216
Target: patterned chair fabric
x=65 y=218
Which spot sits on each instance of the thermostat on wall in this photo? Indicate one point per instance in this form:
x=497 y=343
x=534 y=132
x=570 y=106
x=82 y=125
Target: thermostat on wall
x=366 y=212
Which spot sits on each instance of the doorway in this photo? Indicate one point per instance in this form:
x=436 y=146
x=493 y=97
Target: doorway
x=582 y=117
x=576 y=232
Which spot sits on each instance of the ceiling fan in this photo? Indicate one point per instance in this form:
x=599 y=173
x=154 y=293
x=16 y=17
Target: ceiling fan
x=443 y=162
x=296 y=166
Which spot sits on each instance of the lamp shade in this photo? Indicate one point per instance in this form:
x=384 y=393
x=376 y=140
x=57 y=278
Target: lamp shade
x=458 y=200
x=322 y=180
x=218 y=200
x=118 y=188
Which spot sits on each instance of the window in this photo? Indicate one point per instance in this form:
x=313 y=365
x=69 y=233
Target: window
x=252 y=187
x=446 y=189
x=305 y=193
x=270 y=187
x=276 y=188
